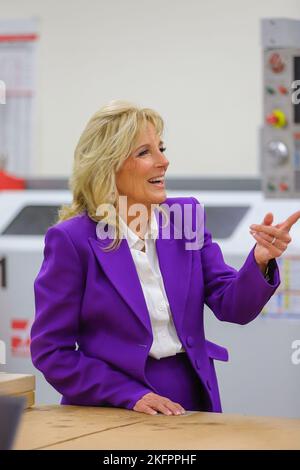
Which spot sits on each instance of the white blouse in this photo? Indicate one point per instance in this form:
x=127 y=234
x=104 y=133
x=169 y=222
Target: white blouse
x=165 y=338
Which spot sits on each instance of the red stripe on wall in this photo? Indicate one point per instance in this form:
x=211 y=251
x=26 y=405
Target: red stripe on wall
x=19 y=324
x=18 y=37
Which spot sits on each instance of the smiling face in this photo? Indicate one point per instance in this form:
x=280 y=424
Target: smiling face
x=147 y=161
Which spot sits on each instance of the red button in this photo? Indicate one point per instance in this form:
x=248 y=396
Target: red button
x=283 y=187
x=276 y=63
x=271 y=119
x=283 y=90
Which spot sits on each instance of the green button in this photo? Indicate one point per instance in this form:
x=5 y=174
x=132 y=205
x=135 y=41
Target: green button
x=270 y=90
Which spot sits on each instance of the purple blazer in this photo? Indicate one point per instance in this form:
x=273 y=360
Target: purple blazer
x=92 y=333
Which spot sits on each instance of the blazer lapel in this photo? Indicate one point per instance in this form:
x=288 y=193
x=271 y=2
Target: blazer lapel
x=119 y=267
x=175 y=264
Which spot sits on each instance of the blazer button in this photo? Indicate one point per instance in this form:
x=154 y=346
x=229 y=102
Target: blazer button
x=208 y=384
x=198 y=363
x=190 y=341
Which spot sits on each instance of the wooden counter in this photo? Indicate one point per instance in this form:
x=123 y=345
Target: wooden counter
x=74 y=427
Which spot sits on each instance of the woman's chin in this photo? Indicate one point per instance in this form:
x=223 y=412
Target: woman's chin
x=160 y=201
x=160 y=196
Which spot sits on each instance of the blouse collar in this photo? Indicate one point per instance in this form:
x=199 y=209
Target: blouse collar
x=132 y=238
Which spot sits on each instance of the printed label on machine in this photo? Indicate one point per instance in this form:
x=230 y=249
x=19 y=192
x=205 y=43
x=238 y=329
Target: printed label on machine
x=286 y=300
x=20 y=337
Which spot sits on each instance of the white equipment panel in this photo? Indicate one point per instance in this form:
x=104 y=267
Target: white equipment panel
x=24 y=218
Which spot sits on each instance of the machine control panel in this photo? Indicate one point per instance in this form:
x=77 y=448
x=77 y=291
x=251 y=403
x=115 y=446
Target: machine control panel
x=280 y=134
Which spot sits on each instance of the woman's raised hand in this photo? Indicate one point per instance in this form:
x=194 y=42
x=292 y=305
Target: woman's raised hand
x=272 y=241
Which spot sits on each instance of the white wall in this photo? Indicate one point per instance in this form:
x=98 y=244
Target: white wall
x=197 y=62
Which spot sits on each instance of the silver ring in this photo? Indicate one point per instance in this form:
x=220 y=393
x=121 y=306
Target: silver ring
x=273 y=241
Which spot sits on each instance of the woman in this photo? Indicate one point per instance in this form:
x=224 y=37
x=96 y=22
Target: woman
x=119 y=321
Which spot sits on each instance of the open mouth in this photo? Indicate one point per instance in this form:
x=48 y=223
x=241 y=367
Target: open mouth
x=158 y=182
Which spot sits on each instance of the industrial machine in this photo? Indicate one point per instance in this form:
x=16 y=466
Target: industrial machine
x=280 y=136
x=24 y=219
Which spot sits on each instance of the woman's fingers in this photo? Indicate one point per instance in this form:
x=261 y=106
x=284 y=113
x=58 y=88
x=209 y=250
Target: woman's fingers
x=272 y=241
x=151 y=402
x=143 y=408
x=178 y=408
x=291 y=220
x=148 y=410
x=163 y=408
x=169 y=407
x=272 y=231
x=274 y=251
x=268 y=238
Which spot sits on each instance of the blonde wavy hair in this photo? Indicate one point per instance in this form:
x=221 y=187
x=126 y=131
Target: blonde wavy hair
x=106 y=142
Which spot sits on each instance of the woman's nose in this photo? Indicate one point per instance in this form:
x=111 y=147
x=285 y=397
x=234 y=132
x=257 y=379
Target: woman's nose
x=162 y=159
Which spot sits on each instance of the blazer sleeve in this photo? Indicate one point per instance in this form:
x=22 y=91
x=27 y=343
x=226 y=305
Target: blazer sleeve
x=58 y=290
x=235 y=296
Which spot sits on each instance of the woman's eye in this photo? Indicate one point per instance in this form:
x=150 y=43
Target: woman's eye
x=163 y=149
